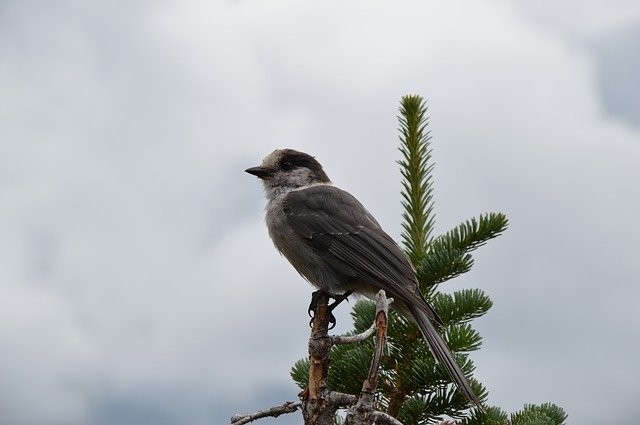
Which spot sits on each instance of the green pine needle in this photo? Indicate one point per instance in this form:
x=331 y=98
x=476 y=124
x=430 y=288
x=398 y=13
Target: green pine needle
x=416 y=167
x=349 y=366
x=363 y=315
x=472 y=233
x=543 y=414
x=491 y=416
x=463 y=338
x=441 y=265
x=461 y=306
x=546 y=413
x=421 y=375
x=300 y=373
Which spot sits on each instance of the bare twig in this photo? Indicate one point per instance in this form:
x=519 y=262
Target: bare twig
x=288 y=407
x=341 y=399
x=361 y=413
x=353 y=339
x=382 y=306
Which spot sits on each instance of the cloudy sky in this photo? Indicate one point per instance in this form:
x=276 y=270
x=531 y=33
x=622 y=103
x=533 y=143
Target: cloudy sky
x=137 y=281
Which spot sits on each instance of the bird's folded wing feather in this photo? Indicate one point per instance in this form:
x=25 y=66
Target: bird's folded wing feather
x=351 y=241
x=349 y=238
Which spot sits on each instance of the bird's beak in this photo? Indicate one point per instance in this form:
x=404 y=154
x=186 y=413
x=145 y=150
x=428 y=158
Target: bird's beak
x=260 y=172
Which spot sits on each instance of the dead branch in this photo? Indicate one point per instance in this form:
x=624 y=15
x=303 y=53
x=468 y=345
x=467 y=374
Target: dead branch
x=342 y=399
x=353 y=339
x=288 y=407
x=363 y=412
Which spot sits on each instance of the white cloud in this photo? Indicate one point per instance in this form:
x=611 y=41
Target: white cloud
x=579 y=19
x=135 y=261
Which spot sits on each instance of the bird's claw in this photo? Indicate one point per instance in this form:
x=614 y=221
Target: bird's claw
x=337 y=300
x=314 y=302
x=332 y=321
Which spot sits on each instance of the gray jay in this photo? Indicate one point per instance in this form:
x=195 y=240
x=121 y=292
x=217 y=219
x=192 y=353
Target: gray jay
x=338 y=246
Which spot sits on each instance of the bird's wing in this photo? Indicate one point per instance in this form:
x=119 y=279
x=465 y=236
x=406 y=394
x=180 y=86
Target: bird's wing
x=349 y=239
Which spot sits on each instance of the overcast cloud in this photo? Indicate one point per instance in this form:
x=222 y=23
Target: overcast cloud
x=134 y=261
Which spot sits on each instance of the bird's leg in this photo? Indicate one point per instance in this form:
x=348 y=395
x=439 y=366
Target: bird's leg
x=313 y=305
x=338 y=299
x=314 y=302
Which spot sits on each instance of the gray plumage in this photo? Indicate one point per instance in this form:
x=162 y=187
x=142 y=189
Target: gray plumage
x=337 y=245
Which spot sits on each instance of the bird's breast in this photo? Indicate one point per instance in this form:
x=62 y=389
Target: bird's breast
x=292 y=246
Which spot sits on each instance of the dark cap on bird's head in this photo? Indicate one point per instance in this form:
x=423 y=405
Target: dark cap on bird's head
x=288 y=167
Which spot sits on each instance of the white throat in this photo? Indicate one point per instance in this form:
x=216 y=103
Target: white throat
x=274 y=192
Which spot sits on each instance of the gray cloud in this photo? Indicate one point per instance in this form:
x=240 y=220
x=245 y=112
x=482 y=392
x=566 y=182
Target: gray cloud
x=609 y=33
x=135 y=262
x=618 y=68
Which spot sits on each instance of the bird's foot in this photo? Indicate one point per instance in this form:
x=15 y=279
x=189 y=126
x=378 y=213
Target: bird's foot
x=315 y=295
x=337 y=300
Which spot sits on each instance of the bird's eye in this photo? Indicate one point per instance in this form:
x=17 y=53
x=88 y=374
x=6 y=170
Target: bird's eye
x=286 y=166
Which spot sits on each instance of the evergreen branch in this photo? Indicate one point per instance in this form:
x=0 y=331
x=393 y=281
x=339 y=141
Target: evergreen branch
x=466 y=365
x=463 y=338
x=441 y=265
x=461 y=306
x=472 y=233
x=490 y=416
x=546 y=413
x=300 y=373
x=416 y=168
x=543 y=414
x=417 y=409
x=363 y=315
x=531 y=418
x=349 y=366
x=422 y=375
x=430 y=407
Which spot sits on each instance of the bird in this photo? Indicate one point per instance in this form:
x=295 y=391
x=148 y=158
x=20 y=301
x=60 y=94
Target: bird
x=334 y=243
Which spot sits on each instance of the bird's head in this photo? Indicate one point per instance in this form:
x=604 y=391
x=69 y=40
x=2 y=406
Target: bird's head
x=287 y=169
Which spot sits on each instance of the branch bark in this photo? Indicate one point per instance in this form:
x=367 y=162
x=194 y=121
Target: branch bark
x=316 y=406
x=288 y=407
x=364 y=413
x=353 y=339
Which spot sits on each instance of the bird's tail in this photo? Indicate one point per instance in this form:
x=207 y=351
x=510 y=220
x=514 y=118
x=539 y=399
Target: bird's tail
x=443 y=355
